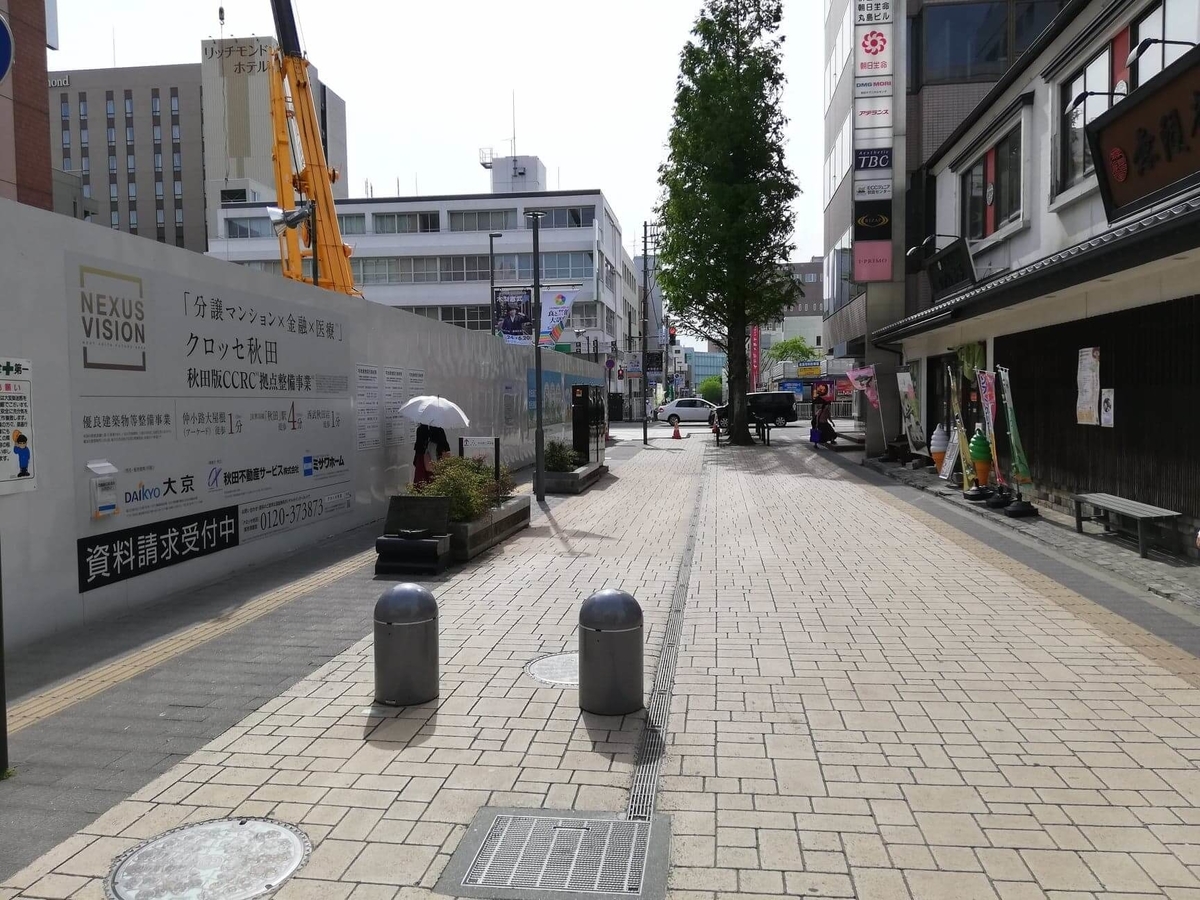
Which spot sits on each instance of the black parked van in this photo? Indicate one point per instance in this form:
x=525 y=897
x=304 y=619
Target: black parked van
x=776 y=407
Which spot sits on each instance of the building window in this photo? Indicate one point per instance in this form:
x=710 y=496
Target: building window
x=178 y=238
x=178 y=188
x=375 y=270
x=109 y=109
x=112 y=191
x=155 y=106
x=133 y=220
x=570 y=217
x=1008 y=179
x=160 y=218
x=112 y=163
x=83 y=106
x=572 y=265
x=157 y=162
x=86 y=164
x=1075 y=158
x=87 y=191
x=66 y=166
x=974 y=210
x=425 y=312
x=128 y=107
x=179 y=216
x=424 y=269
x=174 y=102
x=355 y=223
x=130 y=163
x=176 y=162
x=112 y=136
x=64 y=108
x=114 y=219
x=175 y=133
x=406 y=223
x=483 y=220
x=158 y=190
x=66 y=138
x=463 y=268
x=584 y=315
x=1030 y=18
x=132 y=190
x=244 y=227
x=473 y=318
x=158 y=134
x=965 y=41
x=1176 y=20
x=514 y=267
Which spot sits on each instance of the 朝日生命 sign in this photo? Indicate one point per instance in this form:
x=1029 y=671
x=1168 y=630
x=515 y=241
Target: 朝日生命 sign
x=872 y=12
x=873 y=50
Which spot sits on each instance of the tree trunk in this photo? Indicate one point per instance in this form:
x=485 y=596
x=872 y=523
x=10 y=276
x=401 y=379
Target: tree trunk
x=739 y=378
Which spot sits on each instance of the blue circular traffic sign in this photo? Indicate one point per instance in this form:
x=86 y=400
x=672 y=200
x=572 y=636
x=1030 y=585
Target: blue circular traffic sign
x=7 y=49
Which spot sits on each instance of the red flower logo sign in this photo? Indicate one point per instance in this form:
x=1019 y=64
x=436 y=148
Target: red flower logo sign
x=874 y=43
x=1118 y=165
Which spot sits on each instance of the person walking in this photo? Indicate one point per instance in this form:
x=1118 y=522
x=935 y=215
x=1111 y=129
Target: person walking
x=441 y=443
x=822 y=421
x=421 y=473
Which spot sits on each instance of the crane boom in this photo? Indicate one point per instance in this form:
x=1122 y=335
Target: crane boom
x=300 y=165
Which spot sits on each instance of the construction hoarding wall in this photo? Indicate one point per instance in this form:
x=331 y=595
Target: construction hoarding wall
x=193 y=417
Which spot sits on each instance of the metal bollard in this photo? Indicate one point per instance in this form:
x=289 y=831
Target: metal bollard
x=406 y=646
x=610 y=654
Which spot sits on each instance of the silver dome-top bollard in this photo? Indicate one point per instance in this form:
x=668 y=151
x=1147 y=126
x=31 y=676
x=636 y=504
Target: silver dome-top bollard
x=610 y=654
x=406 y=646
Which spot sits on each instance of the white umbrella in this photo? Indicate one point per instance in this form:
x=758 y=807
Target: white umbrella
x=436 y=411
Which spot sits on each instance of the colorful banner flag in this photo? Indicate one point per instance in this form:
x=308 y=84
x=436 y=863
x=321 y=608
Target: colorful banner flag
x=864 y=380
x=1020 y=465
x=755 y=355
x=987 y=397
x=556 y=307
x=964 y=449
x=910 y=411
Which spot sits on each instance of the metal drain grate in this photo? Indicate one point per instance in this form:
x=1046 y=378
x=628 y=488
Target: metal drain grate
x=652 y=746
x=589 y=856
x=520 y=854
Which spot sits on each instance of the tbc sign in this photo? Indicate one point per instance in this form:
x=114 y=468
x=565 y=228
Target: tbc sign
x=1146 y=148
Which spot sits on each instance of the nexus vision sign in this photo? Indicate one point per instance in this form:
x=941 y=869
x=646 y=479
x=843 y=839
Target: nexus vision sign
x=112 y=311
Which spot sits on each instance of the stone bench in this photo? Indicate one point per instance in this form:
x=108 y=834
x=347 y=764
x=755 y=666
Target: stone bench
x=416 y=536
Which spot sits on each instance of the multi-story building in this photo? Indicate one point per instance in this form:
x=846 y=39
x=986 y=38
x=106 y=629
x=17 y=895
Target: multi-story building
x=143 y=138
x=133 y=135
x=899 y=78
x=24 y=171
x=1070 y=203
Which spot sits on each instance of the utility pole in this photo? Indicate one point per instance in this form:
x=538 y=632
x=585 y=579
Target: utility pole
x=539 y=434
x=645 y=327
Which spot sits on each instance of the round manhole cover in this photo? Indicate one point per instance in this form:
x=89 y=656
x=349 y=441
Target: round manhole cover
x=225 y=859
x=559 y=669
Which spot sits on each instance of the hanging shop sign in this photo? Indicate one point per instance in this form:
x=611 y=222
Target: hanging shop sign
x=872 y=12
x=873 y=52
x=872 y=112
x=1146 y=148
x=873 y=190
x=882 y=86
x=872 y=261
x=872 y=159
x=951 y=270
x=873 y=220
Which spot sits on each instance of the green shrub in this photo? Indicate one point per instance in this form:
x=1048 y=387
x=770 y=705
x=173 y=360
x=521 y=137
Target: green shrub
x=560 y=457
x=462 y=481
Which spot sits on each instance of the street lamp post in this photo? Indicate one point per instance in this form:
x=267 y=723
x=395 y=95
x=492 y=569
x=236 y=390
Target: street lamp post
x=539 y=434
x=492 y=278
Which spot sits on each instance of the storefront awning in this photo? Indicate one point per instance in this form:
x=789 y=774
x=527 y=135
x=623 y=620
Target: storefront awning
x=1146 y=239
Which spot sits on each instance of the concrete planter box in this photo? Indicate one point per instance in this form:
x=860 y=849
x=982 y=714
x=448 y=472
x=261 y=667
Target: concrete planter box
x=469 y=539
x=574 y=482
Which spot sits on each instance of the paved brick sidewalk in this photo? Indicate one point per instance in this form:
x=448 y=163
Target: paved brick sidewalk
x=869 y=703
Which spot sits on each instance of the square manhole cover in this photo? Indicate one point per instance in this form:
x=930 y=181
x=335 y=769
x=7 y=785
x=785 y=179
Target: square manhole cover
x=521 y=854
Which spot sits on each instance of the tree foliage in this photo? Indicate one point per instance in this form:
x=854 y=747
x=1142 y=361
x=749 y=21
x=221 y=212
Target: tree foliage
x=725 y=209
x=711 y=390
x=793 y=349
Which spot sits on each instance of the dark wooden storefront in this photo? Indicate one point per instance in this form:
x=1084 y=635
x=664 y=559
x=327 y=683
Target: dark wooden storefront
x=1148 y=356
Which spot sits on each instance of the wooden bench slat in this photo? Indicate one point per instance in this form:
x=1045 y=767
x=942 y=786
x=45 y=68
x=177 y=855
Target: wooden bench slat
x=1125 y=507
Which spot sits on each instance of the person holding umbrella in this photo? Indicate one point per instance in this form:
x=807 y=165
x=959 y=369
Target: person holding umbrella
x=433 y=416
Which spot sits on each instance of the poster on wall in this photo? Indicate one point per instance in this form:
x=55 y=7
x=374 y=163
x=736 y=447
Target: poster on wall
x=227 y=415
x=18 y=449
x=513 y=310
x=1106 y=407
x=395 y=393
x=910 y=411
x=366 y=408
x=1087 y=398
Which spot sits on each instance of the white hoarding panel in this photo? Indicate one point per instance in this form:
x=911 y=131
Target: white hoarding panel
x=228 y=416
x=873 y=51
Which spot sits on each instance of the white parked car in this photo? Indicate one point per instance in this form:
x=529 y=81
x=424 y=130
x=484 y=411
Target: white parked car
x=688 y=409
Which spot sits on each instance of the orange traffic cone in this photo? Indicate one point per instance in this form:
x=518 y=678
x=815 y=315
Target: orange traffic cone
x=677 y=436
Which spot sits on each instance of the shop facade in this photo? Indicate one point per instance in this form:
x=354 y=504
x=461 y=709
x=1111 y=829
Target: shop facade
x=1070 y=205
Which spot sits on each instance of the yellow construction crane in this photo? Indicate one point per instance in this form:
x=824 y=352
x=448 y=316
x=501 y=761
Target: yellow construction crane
x=301 y=169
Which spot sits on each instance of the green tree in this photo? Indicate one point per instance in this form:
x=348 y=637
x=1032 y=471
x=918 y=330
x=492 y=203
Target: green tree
x=725 y=209
x=792 y=350
x=710 y=389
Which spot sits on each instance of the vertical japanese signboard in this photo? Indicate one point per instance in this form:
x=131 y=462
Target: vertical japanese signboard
x=873 y=133
x=18 y=448
x=366 y=407
x=227 y=415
